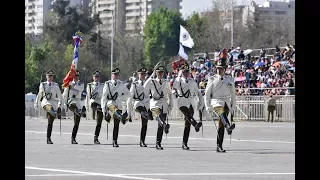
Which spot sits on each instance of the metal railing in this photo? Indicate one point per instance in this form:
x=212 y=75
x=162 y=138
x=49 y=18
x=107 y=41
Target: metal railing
x=249 y=108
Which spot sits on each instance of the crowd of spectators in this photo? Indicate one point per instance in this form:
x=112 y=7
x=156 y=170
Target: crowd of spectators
x=254 y=75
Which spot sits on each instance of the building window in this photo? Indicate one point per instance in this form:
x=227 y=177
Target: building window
x=281 y=12
x=270 y=5
x=39 y=6
x=289 y=6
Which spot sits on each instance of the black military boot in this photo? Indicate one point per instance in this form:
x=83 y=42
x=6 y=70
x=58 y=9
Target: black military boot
x=49 y=141
x=83 y=112
x=185 y=146
x=198 y=126
x=142 y=144
x=220 y=149
x=230 y=128
x=115 y=143
x=166 y=128
x=73 y=141
x=158 y=146
x=96 y=141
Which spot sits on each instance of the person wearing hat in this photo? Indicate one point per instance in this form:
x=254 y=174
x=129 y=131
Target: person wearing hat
x=93 y=102
x=139 y=101
x=220 y=99
x=114 y=97
x=185 y=88
x=48 y=93
x=72 y=96
x=160 y=102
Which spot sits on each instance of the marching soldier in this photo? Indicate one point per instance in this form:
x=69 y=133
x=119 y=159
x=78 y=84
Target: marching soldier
x=220 y=99
x=139 y=101
x=72 y=95
x=50 y=97
x=186 y=88
x=114 y=97
x=161 y=101
x=93 y=102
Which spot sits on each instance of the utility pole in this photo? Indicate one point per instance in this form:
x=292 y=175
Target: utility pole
x=231 y=23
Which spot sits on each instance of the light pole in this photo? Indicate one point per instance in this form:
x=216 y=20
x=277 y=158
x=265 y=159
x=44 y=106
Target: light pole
x=231 y=23
x=112 y=35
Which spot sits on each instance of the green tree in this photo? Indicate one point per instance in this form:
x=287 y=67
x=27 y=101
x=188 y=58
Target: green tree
x=162 y=30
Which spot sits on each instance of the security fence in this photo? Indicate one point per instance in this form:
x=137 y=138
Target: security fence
x=251 y=108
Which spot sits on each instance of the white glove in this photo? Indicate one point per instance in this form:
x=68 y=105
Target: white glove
x=35 y=106
x=71 y=83
x=209 y=109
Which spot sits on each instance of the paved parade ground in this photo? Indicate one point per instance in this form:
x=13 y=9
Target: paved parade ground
x=258 y=150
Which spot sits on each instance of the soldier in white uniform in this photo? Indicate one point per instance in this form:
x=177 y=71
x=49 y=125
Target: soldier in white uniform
x=160 y=102
x=140 y=102
x=220 y=98
x=185 y=88
x=114 y=97
x=50 y=97
x=72 y=96
x=93 y=102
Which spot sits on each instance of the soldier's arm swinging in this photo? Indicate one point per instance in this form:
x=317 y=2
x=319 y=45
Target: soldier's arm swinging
x=130 y=100
x=207 y=98
x=40 y=94
x=233 y=96
x=104 y=97
x=86 y=102
x=59 y=96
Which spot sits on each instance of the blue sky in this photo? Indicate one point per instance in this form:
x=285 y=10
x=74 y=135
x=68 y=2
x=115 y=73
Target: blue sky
x=188 y=6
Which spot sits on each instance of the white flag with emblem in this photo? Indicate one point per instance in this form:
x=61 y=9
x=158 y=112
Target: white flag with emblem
x=185 y=38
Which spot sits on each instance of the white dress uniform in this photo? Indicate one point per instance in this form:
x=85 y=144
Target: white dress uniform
x=188 y=93
x=94 y=94
x=220 y=90
x=114 y=93
x=49 y=94
x=138 y=97
x=74 y=95
x=161 y=93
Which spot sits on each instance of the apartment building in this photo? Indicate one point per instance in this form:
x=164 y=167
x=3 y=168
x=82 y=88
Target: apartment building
x=129 y=15
x=36 y=12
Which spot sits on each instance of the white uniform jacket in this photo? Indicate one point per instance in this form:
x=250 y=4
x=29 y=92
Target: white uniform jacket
x=94 y=94
x=138 y=97
x=49 y=93
x=114 y=93
x=220 y=90
x=187 y=91
x=74 y=96
x=161 y=93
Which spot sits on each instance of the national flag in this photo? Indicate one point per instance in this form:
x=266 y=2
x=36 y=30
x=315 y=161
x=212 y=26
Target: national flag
x=77 y=39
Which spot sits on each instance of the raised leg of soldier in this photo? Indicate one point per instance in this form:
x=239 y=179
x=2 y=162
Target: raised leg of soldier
x=73 y=107
x=188 y=114
x=98 y=127
x=223 y=115
x=116 y=113
x=76 y=120
x=161 y=118
x=144 y=124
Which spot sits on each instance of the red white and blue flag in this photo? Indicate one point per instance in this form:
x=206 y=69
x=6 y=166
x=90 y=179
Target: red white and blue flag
x=77 y=39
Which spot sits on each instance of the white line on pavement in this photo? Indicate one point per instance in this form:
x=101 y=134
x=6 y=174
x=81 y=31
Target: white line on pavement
x=207 y=139
x=89 y=173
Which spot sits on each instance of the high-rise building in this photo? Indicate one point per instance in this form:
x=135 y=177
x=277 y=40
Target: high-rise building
x=36 y=12
x=129 y=15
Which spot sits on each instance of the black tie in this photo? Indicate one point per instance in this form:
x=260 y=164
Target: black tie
x=141 y=83
x=49 y=84
x=115 y=83
x=186 y=80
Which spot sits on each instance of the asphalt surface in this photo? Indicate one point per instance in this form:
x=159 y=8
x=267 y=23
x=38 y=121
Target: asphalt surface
x=258 y=150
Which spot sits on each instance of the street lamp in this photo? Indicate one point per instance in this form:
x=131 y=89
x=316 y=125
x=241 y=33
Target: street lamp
x=112 y=35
